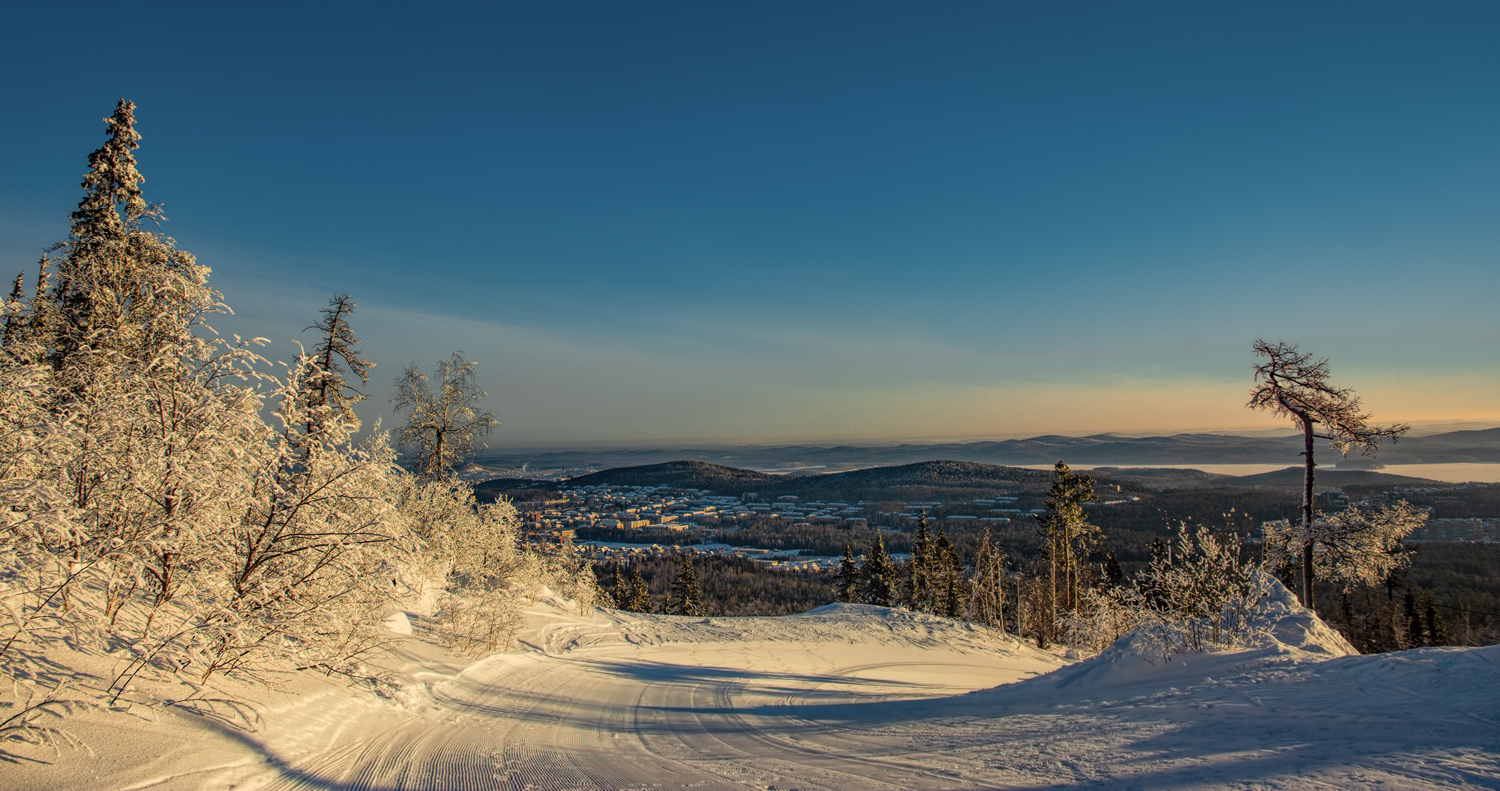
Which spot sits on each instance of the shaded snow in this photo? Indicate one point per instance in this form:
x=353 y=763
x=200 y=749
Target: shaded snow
x=843 y=697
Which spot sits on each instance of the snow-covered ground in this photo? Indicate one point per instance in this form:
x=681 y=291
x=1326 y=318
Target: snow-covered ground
x=844 y=697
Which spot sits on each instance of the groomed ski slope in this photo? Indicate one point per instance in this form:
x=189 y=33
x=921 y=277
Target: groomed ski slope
x=844 y=697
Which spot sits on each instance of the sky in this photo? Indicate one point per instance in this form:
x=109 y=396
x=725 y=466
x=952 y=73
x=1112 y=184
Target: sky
x=685 y=222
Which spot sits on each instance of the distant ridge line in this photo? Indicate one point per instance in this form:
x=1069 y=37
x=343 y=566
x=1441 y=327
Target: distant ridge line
x=1097 y=449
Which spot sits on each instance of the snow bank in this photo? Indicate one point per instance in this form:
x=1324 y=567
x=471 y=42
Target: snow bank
x=852 y=624
x=1281 y=632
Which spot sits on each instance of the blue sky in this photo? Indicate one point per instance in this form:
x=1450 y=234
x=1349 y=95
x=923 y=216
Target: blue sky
x=673 y=222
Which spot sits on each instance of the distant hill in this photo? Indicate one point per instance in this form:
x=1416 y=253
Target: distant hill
x=1164 y=477
x=942 y=479
x=909 y=480
x=1331 y=479
x=905 y=479
x=683 y=473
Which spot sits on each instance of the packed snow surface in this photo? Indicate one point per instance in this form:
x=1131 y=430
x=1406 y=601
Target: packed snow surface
x=843 y=697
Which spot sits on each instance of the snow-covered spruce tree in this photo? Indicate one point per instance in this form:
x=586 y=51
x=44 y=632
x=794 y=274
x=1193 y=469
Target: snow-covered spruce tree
x=1293 y=384
x=443 y=426
x=1358 y=546
x=846 y=585
x=120 y=288
x=686 y=598
x=878 y=579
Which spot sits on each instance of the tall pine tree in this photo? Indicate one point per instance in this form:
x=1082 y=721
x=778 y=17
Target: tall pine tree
x=640 y=594
x=878 y=575
x=949 y=585
x=1067 y=535
x=689 y=599
x=846 y=587
x=919 y=590
x=619 y=592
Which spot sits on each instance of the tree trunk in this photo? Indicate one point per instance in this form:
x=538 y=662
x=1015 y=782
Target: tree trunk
x=1307 y=514
x=1052 y=562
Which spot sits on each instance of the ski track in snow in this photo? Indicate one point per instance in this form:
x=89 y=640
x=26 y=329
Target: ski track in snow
x=851 y=697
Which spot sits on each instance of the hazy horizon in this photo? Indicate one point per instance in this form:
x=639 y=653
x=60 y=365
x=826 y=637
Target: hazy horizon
x=1417 y=429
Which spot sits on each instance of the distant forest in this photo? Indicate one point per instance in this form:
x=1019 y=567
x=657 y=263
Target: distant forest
x=729 y=585
x=1143 y=509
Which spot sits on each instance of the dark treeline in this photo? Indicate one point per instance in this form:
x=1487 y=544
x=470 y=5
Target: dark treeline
x=1457 y=502
x=727 y=585
x=1450 y=595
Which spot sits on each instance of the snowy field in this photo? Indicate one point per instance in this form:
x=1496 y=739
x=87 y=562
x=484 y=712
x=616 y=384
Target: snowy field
x=844 y=697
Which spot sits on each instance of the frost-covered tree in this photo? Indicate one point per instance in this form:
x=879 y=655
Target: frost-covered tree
x=165 y=503
x=879 y=581
x=987 y=589
x=325 y=394
x=1197 y=574
x=1357 y=547
x=442 y=426
x=1199 y=591
x=1294 y=384
x=121 y=288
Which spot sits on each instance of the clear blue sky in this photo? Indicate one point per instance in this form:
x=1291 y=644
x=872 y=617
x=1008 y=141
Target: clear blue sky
x=658 y=222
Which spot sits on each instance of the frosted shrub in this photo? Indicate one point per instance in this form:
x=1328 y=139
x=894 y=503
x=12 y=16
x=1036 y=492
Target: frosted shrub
x=1102 y=617
x=1199 y=593
x=473 y=555
x=308 y=571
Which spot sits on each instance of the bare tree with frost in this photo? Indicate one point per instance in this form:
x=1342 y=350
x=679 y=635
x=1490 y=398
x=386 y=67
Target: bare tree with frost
x=442 y=425
x=1294 y=384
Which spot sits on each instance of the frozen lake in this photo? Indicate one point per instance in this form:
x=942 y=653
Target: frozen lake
x=1452 y=473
